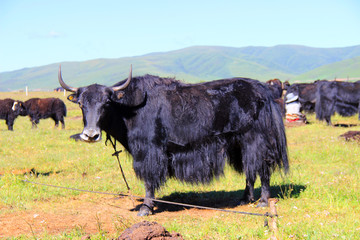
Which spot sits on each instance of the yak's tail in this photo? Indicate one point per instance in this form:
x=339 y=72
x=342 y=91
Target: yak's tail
x=63 y=106
x=280 y=135
x=275 y=134
x=65 y=111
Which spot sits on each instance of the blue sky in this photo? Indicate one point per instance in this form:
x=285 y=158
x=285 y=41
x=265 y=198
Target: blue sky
x=41 y=32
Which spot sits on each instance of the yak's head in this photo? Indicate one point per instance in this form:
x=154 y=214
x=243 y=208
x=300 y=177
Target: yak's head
x=19 y=108
x=94 y=100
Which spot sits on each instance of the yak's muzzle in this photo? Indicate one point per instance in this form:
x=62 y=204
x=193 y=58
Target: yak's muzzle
x=90 y=135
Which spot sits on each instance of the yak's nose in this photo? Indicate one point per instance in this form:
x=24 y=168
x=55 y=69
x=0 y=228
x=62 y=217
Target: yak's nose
x=91 y=135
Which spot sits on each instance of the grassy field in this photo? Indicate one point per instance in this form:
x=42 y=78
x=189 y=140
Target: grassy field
x=318 y=199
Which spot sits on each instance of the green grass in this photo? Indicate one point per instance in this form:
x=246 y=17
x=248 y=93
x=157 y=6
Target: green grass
x=319 y=198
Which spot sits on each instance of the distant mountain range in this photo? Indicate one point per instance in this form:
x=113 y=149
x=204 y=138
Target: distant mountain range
x=199 y=63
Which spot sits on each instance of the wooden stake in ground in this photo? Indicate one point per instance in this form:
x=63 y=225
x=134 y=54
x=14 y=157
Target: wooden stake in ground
x=273 y=220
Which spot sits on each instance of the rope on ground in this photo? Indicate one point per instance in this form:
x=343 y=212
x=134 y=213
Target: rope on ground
x=267 y=214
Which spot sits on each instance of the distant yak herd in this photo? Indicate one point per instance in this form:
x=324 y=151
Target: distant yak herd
x=35 y=108
x=325 y=98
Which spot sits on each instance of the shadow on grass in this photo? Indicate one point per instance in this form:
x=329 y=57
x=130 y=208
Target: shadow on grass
x=34 y=172
x=222 y=199
x=345 y=125
x=31 y=172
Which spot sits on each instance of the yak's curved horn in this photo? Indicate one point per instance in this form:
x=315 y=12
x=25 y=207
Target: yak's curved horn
x=123 y=86
x=63 y=84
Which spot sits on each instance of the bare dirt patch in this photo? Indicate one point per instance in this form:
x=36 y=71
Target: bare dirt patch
x=87 y=213
x=58 y=217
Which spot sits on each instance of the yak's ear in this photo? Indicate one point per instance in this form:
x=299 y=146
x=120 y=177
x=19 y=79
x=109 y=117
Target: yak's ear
x=118 y=95
x=72 y=98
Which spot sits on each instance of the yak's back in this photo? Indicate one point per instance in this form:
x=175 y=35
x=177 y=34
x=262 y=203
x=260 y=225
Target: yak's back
x=5 y=106
x=44 y=106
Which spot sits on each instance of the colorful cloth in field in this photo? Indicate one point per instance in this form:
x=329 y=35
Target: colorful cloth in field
x=294 y=117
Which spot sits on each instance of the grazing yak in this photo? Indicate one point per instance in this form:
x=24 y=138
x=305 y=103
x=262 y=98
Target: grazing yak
x=9 y=110
x=187 y=131
x=306 y=93
x=340 y=97
x=42 y=108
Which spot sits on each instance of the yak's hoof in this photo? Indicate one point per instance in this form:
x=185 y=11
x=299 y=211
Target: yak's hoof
x=145 y=211
x=262 y=204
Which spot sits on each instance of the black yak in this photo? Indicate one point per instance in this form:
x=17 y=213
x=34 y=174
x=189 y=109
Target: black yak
x=306 y=93
x=187 y=131
x=42 y=108
x=10 y=109
x=340 y=97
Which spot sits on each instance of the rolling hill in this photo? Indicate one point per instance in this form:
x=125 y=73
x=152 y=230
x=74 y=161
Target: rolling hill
x=198 y=63
x=346 y=69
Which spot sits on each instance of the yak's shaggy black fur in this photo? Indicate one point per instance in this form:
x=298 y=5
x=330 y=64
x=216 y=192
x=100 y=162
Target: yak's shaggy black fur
x=10 y=109
x=340 y=97
x=187 y=131
x=42 y=108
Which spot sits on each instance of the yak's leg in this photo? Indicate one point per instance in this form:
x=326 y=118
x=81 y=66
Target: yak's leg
x=265 y=187
x=148 y=205
x=62 y=123
x=328 y=120
x=10 y=124
x=248 y=196
x=56 y=123
x=56 y=120
x=248 y=158
x=34 y=122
